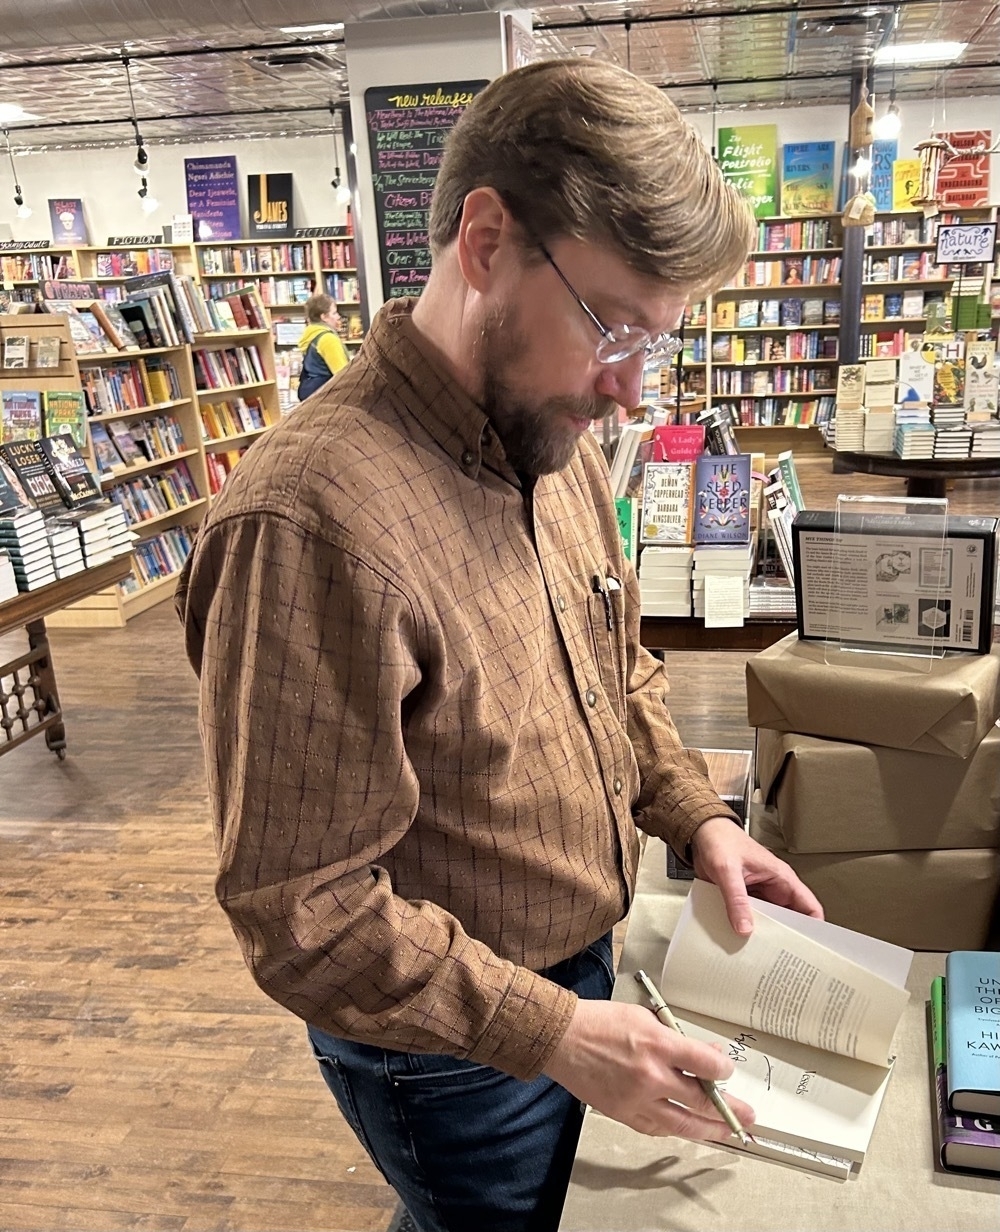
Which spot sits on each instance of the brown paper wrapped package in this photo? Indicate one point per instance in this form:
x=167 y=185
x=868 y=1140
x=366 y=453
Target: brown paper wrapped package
x=889 y=700
x=925 y=900
x=834 y=796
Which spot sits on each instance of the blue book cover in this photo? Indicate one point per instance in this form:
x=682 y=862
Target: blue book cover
x=807 y=174
x=972 y=987
x=883 y=155
x=722 y=499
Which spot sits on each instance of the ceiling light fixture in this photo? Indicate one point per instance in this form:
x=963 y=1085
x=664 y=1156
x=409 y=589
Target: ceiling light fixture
x=319 y=27
x=887 y=126
x=919 y=53
x=342 y=190
x=141 y=164
x=149 y=203
x=11 y=113
x=23 y=211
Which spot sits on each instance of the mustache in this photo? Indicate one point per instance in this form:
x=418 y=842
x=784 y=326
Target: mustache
x=583 y=408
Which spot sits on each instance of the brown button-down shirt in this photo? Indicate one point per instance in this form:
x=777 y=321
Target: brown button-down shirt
x=429 y=726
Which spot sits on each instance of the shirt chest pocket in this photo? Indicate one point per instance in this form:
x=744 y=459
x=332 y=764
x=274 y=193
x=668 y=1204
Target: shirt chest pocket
x=606 y=621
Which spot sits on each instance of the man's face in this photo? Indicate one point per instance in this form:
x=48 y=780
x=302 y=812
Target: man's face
x=542 y=385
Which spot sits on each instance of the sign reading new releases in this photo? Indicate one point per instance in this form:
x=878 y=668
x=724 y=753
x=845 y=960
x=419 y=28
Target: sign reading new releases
x=213 y=197
x=407 y=127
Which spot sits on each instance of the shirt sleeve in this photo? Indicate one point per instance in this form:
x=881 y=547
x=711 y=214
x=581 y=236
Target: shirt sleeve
x=332 y=351
x=307 y=656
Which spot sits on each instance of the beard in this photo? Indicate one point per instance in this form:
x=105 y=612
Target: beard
x=537 y=436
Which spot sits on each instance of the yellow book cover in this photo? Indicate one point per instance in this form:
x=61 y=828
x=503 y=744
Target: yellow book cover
x=905 y=182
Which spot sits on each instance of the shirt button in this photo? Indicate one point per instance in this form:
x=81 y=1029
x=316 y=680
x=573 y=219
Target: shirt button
x=468 y=458
x=618 y=787
x=560 y=603
x=591 y=697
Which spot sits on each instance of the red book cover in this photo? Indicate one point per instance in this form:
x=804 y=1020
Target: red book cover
x=678 y=442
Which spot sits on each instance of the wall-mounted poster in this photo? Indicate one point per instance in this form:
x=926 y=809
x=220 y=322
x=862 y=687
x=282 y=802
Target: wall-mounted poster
x=269 y=205
x=407 y=127
x=68 y=223
x=883 y=156
x=905 y=182
x=963 y=183
x=213 y=197
x=807 y=178
x=748 y=157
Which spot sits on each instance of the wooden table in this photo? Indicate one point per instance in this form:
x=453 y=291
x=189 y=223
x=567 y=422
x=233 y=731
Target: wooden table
x=689 y=633
x=29 y=699
x=924 y=476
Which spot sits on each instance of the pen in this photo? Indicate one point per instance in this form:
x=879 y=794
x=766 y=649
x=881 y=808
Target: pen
x=598 y=589
x=662 y=1011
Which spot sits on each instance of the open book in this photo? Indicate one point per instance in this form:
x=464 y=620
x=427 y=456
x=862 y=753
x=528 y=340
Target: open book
x=806 y=1010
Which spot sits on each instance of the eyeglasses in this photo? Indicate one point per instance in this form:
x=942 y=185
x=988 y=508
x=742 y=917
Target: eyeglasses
x=623 y=341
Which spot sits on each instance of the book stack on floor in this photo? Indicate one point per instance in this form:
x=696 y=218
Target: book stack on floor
x=964 y=1023
x=877 y=783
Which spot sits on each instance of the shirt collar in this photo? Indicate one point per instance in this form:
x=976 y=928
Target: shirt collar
x=443 y=408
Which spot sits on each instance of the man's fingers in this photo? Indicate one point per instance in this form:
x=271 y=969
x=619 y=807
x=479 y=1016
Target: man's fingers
x=664 y=1119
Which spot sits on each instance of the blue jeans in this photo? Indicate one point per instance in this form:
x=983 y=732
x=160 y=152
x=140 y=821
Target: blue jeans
x=466 y=1147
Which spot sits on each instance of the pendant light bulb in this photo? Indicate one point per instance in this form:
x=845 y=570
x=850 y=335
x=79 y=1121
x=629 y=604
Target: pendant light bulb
x=888 y=126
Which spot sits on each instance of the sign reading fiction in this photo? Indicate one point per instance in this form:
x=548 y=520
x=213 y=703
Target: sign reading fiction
x=269 y=205
x=407 y=127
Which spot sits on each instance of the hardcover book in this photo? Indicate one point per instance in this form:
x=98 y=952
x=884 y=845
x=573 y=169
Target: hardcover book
x=627 y=508
x=916 y=375
x=28 y=463
x=73 y=479
x=21 y=415
x=105 y=454
x=981 y=377
x=124 y=443
x=814 y=1075
x=964 y=1143
x=666 y=503
x=678 y=442
x=722 y=499
x=850 y=386
x=65 y=412
x=972 y=1015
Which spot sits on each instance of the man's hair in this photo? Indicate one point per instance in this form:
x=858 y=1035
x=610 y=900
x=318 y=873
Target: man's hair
x=317 y=306
x=583 y=149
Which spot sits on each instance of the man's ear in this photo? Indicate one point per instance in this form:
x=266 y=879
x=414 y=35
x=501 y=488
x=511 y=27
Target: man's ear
x=484 y=226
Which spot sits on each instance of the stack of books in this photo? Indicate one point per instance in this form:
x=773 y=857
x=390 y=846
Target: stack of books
x=879 y=429
x=953 y=442
x=67 y=551
x=848 y=430
x=986 y=440
x=8 y=580
x=914 y=440
x=23 y=538
x=665 y=580
x=721 y=560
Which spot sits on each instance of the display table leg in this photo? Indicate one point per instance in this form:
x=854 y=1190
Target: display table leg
x=38 y=642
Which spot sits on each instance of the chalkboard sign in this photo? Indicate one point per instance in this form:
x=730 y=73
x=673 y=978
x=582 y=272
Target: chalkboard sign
x=407 y=127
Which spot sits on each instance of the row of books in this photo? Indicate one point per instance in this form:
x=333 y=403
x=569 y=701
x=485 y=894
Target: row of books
x=228 y=366
x=220 y=464
x=903 y=305
x=679 y=580
x=232 y=417
x=906 y=229
x=274 y=292
x=793 y=311
x=342 y=287
x=771 y=348
x=27 y=414
x=902 y=267
x=772 y=381
x=337 y=254
x=35 y=266
x=127 y=262
x=150 y=496
x=771 y=412
x=261 y=259
x=160 y=556
x=119 y=446
x=789 y=234
x=788 y=272
x=130 y=384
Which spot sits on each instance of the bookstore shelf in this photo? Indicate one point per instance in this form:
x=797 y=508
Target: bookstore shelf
x=219 y=393
x=215 y=441
x=133 y=412
x=141 y=526
x=140 y=468
x=150 y=594
x=771 y=329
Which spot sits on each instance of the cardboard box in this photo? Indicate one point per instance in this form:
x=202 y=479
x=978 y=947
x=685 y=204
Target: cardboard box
x=895 y=580
x=945 y=706
x=925 y=900
x=832 y=796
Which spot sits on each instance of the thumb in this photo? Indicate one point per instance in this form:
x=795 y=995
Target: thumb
x=734 y=894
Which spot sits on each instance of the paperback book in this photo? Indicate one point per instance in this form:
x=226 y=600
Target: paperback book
x=21 y=415
x=774 y=1002
x=73 y=479
x=65 y=413
x=666 y=503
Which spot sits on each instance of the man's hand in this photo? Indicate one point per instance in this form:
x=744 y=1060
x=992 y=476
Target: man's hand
x=624 y=1062
x=729 y=858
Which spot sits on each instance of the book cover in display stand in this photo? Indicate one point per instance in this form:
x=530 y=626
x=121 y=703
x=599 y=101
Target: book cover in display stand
x=722 y=499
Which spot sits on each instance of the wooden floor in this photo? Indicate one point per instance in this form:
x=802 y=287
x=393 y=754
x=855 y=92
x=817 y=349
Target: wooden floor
x=144 y=1081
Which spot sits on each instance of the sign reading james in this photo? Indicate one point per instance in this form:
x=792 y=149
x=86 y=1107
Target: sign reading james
x=269 y=205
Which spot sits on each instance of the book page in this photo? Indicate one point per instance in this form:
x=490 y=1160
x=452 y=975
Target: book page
x=782 y=982
x=815 y=1100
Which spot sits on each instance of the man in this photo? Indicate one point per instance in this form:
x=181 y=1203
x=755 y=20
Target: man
x=430 y=727
x=323 y=353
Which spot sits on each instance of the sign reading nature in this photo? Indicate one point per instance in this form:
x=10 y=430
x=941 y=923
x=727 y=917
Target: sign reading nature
x=748 y=157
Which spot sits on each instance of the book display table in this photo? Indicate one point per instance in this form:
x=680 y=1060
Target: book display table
x=924 y=476
x=689 y=633
x=632 y=1183
x=29 y=699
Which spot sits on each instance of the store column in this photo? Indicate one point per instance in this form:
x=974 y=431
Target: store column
x=422 y=56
